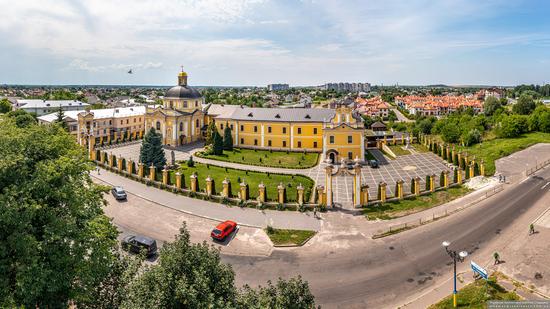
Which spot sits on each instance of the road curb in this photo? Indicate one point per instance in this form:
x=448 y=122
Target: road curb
x=176 y=209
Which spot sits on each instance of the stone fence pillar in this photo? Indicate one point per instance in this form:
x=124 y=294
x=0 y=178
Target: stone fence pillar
x=261 y=192
x=244 y=191
x=178 y=180
x=193 y=182
x=399 y=187
x=130 y=166
x=364 y=195
x=226 y=188
x=152 y=171
x=281 y=193
x=382 y=192
x=209 y=185
x=432 y=182
x=141 y=171
x=321 y=198
x=165 y=176
x=300 y=192
x=119 y=163
x=446 y=178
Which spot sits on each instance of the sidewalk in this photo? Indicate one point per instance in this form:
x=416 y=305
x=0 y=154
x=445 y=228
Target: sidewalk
x=214 y=211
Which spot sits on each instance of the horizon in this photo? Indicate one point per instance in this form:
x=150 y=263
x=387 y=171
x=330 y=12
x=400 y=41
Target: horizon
x=252 y=43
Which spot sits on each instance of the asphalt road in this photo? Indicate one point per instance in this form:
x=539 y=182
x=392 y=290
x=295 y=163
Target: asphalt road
x=384 y=272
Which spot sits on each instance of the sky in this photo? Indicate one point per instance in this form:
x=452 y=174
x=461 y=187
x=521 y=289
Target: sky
x=258 y=42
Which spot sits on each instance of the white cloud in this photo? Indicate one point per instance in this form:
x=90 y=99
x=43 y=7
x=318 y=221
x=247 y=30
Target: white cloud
x=85 y=66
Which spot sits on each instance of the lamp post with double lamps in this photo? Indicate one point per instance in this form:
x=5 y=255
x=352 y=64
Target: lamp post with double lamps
x=457 y=257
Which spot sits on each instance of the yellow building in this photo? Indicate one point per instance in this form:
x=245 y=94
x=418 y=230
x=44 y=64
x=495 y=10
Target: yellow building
x=102 y=126
x=336 y=134
x=180 y=118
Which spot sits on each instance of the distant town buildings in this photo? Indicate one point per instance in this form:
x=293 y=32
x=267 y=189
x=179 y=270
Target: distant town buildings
x=437 y=105
x=275 y=87
x=490 y=92
x=347 y=87
x=373 y=107
x=42 y=107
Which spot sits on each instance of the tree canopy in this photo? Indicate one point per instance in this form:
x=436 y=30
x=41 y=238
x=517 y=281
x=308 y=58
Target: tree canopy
x=525 y=105
x=56 y=243
x=151 y=151
x=5 y=106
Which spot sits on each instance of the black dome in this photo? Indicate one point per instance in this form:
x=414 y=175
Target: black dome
x=182 y=92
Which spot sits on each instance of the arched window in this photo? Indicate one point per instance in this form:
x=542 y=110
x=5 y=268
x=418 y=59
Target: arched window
x=181 y=126
x=158 y=125
x=197 y=124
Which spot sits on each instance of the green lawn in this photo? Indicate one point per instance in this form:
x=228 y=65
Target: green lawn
x=288 y=237
x=398 y=151
x=420 y=148
x=494 y=149
x=396 y=209
x=476 y=294
x=266 y=158
x=253 y=179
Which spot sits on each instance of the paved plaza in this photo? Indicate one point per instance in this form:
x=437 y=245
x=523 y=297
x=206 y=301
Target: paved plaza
x=390 y=171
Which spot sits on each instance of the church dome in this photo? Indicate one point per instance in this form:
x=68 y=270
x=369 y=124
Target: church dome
x=182 y=92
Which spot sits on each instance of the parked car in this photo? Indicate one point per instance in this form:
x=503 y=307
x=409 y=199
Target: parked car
x=119 y=193
x=373 y=163
x=138 y=244
x=223 y=230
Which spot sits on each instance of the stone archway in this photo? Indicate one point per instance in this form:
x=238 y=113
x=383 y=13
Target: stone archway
x=332 y=155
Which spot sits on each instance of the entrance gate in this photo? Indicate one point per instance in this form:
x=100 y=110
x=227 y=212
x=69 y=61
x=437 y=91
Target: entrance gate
x=359 y=192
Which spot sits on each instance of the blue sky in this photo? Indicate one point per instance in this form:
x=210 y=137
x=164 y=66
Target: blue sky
x=257 y=42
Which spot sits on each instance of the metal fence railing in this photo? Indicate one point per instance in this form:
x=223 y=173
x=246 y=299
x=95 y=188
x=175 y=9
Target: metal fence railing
x=538 y=166
x=394 y=229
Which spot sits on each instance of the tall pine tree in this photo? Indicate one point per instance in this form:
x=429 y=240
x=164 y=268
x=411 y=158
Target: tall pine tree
x=151 y=151
x=210 y=132
x=59 y=119
x=217 y=146
x=227 y=138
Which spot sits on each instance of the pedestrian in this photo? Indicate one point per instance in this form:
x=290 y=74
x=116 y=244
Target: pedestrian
x=315 y=212
x=499 y=177
x=98 y=170
x=497 y=258
x=531 y=229
x=503 y=178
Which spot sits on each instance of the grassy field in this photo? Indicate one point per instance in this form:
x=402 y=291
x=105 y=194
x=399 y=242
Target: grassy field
x=288 y=237
x=253 y=179
x=420 y=148
x=476 y=294
x=404 y=207
x=265 y=158
x=494 y=149
x=398 y=151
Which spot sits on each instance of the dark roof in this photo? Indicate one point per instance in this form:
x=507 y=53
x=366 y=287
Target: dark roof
x=182 y=92
x=378 y=124
x=280 y=114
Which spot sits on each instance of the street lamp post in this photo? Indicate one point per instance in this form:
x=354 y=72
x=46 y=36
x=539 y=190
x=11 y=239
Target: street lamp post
x=457 y=257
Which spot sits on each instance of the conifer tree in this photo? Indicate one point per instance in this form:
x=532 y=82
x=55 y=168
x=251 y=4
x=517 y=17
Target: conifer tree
x=217 y=145
x=151 y=151
x=227 y=138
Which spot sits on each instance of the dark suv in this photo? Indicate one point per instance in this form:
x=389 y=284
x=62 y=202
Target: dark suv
x=138 y=244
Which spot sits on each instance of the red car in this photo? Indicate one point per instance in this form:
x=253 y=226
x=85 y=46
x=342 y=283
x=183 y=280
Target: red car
x=223 y=229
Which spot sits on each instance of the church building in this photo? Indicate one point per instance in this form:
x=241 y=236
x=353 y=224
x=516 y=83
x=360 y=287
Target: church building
x=180 y=118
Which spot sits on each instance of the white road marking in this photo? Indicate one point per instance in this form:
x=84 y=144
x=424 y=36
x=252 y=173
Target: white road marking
x=548 y=183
